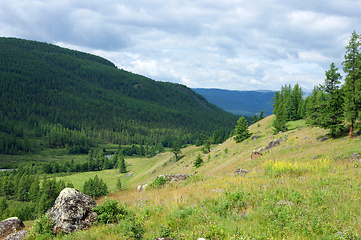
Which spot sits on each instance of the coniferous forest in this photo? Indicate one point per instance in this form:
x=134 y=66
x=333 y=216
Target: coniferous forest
x=69 y=99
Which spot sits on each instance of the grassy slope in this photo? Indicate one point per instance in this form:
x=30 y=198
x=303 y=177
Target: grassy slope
x=326 y=202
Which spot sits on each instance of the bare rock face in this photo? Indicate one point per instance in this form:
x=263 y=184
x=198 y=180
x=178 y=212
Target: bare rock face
x=72 y=210
x=10 y=225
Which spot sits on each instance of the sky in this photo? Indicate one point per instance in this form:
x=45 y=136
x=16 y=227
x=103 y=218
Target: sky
x=228 y=44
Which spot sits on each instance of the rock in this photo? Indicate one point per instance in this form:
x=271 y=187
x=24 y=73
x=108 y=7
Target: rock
x=142 y=187
x=72 y=210
x=20 y=235
x=324 y=139
x=240 y=172
x=255 y=155
x=355 y=157
x=273 y=143
x=163 y=238
x=255 y=137
x=177 y=177
x=10 y=225
x=268 y=126
x=344 y=139
x=284 y=203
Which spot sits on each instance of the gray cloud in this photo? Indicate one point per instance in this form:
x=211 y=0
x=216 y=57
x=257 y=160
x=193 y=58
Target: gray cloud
x=231 y=44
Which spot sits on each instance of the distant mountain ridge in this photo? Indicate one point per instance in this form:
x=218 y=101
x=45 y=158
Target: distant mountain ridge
x=240 y=102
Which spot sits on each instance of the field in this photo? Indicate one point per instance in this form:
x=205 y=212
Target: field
x=302 y=189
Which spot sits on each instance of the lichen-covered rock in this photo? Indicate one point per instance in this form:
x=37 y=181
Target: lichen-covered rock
x=20 y=235
x=72 y=210
x=10 y=225
x=255 y=154
x=241 y=172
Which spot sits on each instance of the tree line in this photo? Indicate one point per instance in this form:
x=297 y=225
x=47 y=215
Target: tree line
x=331 y=104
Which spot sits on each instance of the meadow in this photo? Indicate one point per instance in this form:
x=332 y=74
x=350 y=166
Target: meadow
x=302 y=189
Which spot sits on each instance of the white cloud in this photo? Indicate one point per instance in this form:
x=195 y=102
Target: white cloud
x=232 y=44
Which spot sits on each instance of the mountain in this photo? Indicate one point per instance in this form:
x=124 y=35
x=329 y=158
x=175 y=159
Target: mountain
x=70 y=98
x=240 y=102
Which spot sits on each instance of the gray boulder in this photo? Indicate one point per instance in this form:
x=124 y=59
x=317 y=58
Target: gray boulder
x=241 y=172
x=10 y=225
x=20 y=235
x=72 y=210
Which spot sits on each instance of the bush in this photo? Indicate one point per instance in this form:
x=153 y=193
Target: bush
x=110 y=212
x=159 y=182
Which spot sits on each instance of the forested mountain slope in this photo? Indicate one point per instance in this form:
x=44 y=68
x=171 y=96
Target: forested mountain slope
x=60 y=92
x=246 y=103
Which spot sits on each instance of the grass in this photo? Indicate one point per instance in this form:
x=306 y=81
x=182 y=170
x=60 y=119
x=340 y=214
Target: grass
x=301 y=189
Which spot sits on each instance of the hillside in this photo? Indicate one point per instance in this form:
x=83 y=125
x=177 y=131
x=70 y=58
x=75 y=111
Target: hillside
x=56 y=94
x=246 y=103
x=303 y=188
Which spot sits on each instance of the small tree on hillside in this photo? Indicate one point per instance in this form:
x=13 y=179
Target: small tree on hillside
x=242 y=132
x=199 y=161
x=176 y=150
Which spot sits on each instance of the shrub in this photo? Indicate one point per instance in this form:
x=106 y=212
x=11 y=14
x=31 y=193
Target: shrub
x=198 y=162
x=159 y=182
x=110 y=212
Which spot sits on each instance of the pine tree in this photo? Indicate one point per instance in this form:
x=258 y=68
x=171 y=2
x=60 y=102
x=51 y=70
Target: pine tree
x=198 y=162
x=121 y=163
x=176 y=150
x=331 y=113
x=352 y=86
x=242 y=132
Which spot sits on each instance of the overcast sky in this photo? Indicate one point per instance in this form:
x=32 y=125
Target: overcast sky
x=227 y=44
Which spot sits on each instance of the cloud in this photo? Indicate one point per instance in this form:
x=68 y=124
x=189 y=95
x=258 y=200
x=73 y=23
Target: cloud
x=232 y=44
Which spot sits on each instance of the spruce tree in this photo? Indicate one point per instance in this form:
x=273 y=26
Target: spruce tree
x=242 y=132
x=121 y=163
x=331 y=113
x=352 y=86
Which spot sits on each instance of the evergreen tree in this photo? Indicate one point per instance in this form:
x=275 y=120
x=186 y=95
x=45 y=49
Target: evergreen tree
x=241 y=130
x=176 y=150
x=352 y=86
x=119 y=184
x=121 y=163
x=261 y=116
x=331 y=113
x=198 y=162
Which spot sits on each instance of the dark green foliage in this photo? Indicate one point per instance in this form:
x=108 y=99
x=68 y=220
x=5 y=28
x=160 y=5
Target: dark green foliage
x=95 y=187
x=176 y=150
x=352 y=86
x=199 y=161
x=75 y=100
x=242 y=132
x=288 y=105
x=110 y=212
x=44 y=226
x=331 y=111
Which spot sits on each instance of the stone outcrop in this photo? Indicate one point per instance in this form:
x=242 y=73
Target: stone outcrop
x=240 y=172
x=10 y=225
x=72 y=210
x=255 y=154
x=176 y=177
x=254 y=138
x=272 y=144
